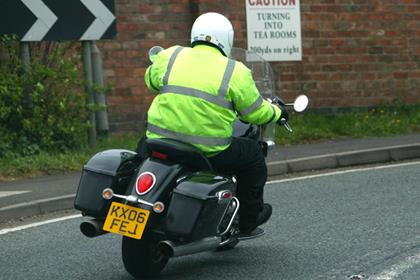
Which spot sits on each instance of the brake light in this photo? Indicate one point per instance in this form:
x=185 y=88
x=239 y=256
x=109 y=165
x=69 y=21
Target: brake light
x=159 y=155
x=145 y=183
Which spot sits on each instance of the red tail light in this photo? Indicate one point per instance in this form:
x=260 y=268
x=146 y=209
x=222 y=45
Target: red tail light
x=145 y=183
x=159 y=155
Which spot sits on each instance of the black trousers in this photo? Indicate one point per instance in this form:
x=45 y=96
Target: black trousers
x=245 y=159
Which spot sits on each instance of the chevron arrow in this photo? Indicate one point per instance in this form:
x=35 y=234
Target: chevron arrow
x=104 y=18
x=45 y=20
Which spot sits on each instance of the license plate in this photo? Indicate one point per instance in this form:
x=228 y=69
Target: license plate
x=126 y=220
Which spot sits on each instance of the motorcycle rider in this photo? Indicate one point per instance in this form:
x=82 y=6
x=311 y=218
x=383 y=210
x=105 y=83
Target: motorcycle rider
x=200 y=92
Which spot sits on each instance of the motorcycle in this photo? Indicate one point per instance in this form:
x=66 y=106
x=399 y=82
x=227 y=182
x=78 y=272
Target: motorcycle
x=170 y=202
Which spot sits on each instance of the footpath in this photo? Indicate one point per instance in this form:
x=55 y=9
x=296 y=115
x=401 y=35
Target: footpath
x=30 y=197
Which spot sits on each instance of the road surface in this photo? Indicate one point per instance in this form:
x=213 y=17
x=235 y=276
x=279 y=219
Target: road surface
x=327 y=226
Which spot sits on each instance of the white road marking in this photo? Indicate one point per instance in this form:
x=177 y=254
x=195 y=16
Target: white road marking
x=10 y=193
x=8 y=230
x=343 y=172
x=397 y=269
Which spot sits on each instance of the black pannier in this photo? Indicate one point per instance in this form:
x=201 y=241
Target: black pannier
x=195 y=211
x=108 y=169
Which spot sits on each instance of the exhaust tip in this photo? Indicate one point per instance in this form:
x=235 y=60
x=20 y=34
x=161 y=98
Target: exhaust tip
x=166 y=249
x=91 y=228
x=172 y=249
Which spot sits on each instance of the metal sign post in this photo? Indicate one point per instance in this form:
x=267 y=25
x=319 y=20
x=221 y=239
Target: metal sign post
x=26 y=62
x=90 y=101
x=100 y=99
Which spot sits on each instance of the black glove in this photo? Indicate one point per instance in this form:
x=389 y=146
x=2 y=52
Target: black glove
x=283 y=117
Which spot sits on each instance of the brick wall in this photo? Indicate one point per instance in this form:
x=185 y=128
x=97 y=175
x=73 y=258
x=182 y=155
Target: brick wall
x=140 y=25
x=355 y=52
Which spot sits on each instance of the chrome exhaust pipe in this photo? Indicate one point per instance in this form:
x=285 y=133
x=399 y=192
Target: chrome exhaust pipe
x=173 y=249
x=92 y=228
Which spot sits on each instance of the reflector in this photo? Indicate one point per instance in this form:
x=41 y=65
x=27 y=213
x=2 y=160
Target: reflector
x=227 y=195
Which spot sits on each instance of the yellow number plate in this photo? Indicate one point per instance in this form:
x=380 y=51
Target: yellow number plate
x=126 y=220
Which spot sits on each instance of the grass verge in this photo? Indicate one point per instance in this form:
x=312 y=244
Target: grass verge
x=308 y=127
x=58 y=163
x=356 y=123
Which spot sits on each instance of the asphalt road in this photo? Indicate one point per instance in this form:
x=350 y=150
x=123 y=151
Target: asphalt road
x=324 y=227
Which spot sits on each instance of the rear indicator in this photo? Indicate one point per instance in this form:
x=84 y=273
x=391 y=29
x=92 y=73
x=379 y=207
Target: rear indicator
x=145 y=183
x=158 y=207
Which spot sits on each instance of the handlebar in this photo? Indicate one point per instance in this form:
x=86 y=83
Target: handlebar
x=279 y=102
x=299 y=105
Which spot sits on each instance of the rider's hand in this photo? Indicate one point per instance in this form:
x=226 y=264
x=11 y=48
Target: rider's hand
x=283 y=117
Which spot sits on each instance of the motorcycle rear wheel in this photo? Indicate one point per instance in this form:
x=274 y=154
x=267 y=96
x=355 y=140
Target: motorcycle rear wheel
x=142 y=258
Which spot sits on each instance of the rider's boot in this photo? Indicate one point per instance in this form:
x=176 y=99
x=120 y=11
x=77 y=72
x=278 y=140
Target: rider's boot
x=253 y=231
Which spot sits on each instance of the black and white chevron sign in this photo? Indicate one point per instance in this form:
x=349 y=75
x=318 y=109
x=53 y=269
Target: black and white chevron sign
x=55 y=20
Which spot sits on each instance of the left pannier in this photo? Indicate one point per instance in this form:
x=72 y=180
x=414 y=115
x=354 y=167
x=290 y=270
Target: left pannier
x=108 y=169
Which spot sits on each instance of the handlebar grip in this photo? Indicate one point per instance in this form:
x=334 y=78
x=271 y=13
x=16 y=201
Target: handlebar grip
x=279 y=101
x=282 y=121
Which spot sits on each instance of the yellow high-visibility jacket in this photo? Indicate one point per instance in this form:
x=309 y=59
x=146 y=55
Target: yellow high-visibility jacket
x=200 y=93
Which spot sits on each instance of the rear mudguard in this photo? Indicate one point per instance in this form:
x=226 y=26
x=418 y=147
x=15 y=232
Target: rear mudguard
x=166 y=175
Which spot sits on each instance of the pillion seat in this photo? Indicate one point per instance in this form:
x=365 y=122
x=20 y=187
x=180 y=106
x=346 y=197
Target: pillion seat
x=178 y=152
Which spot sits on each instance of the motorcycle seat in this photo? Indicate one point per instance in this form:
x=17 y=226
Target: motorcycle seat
x=178 y=152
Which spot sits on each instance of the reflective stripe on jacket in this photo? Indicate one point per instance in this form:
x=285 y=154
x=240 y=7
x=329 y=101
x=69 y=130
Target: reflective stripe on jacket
x=200 y=93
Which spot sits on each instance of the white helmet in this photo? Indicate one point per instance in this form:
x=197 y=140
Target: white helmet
x=215 y=29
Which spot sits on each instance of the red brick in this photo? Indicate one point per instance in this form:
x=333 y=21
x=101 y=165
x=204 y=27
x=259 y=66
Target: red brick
x=401 y=75
x=287 y=77
x=336 y=67
x=319 y=76
x=327 y=50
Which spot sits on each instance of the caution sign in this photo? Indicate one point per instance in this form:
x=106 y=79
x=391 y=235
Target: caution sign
x=274 y=29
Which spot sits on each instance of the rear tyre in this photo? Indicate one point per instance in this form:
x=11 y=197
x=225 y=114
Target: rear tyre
x=142 y=258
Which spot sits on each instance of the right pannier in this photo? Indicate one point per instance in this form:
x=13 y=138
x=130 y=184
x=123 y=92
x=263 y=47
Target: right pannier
x=195 y=210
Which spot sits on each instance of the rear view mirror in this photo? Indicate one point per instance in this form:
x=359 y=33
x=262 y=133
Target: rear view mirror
x=301 y=103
